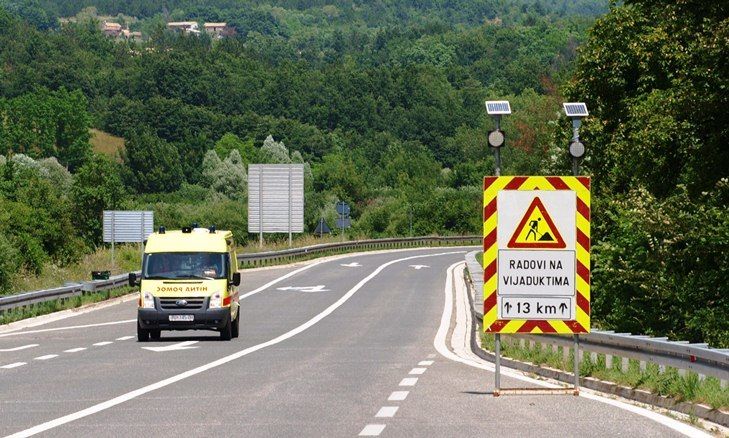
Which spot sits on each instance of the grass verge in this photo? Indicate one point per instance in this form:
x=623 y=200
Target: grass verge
x=63 y=304
x=669 y=383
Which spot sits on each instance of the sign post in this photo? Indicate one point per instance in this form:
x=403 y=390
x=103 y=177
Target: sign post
x=126 y=226
x=275 y=199
x=536 y=258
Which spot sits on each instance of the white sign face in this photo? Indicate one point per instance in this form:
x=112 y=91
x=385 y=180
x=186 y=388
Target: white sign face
x=535 y=308
x=537 y=273
x=536 y=239
x=276 y=198
x=127 y=226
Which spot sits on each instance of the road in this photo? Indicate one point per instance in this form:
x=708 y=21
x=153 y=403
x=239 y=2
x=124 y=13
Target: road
x=366 y=344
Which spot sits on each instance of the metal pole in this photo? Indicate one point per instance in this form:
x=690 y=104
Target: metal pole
x=577 y=364
x=497 y=374
x=576 y=123
x=290 y=240
x=497 y=151
x=260 y=207
x=113 y=219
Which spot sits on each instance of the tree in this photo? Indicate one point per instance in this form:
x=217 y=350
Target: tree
x=154 y=164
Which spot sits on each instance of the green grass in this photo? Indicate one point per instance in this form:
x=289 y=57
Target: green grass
x=479 y=257
x=682 y=388
x=107 y=144
x=57 y=305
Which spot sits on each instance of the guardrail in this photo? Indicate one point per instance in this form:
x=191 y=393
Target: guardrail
x=28 y=299
x=682 y=355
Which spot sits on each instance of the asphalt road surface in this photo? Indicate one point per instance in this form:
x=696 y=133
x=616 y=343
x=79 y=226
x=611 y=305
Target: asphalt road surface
x=366 y=344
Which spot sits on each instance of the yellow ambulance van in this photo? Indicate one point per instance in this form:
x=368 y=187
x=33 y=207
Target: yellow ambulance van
x=189 y=281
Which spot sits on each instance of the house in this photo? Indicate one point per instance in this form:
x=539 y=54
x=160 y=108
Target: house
x=111 y=29
x=131 y=36
x=184 y=26
x=216 y=29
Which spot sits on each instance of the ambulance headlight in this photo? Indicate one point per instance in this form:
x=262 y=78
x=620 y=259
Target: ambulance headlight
x=216 y=301
x=147 y=301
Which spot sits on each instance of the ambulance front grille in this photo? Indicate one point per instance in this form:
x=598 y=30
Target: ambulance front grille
x=187 y=303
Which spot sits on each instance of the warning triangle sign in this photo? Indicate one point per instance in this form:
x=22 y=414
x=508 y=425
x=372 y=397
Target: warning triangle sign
x=536 y=229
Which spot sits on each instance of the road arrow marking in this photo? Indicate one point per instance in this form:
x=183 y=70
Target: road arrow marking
x=319 y=288
x=419 y=267
x=18 y=348
x=351 y=265
x=174 y=347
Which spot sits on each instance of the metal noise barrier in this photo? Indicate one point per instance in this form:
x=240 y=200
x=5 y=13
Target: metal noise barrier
x=28 y=299
x=681 y=355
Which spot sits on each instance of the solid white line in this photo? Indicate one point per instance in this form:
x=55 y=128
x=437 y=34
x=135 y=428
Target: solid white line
x=398 y=396
x=372 y=430
x=416 y=371
x=166 y=382
x=409 y=381
x=124 y=338
x=7 y=350
x=100 y=344
x=13 y=365
x=46 y=357
x=126 y=321
x=386 y=412
x=74 y=350
x=425 y=363
x=476 y=362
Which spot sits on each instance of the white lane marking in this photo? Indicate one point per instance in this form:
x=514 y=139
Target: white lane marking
x=416 y=371
x=425 y=363
x=174 y=347
x=398 y=396
x=101 y=344
x=431 y=356
x=125 y=338
x=223 y=360
x=319 y=288
x=13 y=365
x=126 y=321
x=351 y=265
x=74 y=350
x=408 y=381
x=46 y=357
x=419 y=267
x=372 y=430
x=7 y=350
x=474 y=361
x=386 y=412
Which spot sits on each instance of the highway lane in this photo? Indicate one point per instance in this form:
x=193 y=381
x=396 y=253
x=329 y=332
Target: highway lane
x=331 y=378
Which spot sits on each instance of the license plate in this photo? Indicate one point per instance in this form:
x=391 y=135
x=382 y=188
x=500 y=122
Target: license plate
x=182 y=317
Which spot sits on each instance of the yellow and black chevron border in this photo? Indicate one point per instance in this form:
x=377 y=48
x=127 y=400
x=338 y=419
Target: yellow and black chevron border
x=492 y=185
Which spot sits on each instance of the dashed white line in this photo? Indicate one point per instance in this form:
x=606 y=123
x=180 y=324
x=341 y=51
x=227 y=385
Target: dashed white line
x=372 y=430
x=74 y=350
x=125 y=338
x=425 y=363
x=46 y=357
x=101 y=344
x=13 y=365
x=7 y=350
x=416 y=371
x=409 y=381
x=387 y=412
x=398 y=396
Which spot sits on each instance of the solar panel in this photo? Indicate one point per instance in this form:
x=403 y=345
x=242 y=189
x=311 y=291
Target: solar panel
x=575 y=109
x=496 y=107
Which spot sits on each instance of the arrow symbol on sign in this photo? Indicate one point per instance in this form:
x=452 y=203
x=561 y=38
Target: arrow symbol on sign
x=508 y=307
x=174 y=347
x=351 y=265
x=319 y=288
x=563 y=307
x=419 y=267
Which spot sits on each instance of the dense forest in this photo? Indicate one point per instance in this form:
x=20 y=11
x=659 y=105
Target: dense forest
x=383 y=101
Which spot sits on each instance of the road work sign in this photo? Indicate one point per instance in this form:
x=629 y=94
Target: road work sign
x=536 y=254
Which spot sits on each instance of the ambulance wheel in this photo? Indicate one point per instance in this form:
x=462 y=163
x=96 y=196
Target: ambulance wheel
x=226 y=333
x=142 y=334
x=155 y=334
x=236 y=325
